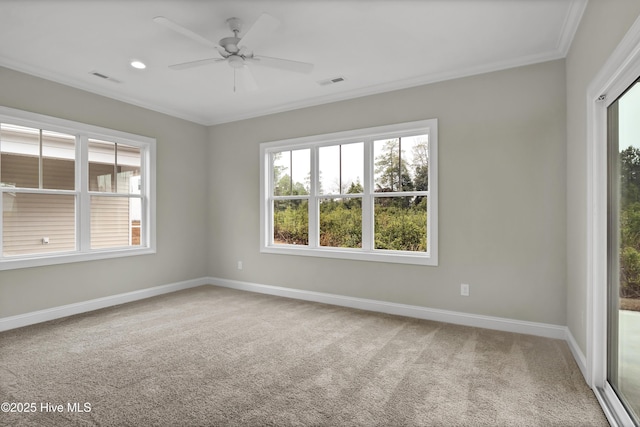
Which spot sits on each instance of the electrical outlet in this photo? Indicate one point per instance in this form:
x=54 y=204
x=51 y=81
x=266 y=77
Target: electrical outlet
x=239 y=265
x=464 y=290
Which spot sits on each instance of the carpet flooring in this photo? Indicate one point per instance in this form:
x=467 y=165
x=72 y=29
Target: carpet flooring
x=212 y=356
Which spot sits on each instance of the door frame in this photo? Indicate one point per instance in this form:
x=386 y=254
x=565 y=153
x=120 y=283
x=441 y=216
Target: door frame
x=617 y=74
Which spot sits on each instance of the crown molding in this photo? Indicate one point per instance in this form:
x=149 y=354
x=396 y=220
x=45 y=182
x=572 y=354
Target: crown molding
x=570 y=25
x=392 y=86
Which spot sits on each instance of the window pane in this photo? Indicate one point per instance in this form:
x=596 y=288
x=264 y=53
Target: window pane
x=128 y=161
x=115 y=221
x=291 y=222
x=102 y=161
x=281 y=173
x=341 y=168
x=401 y=223
x=58 y=161
x=291 y=172
x=301 y=171
x=37 y=223
x=386 y=165
x=329 y=163
x=352 y=168
x=401 y=164
x=341 y=222
x=19 y=156
x=417 y=149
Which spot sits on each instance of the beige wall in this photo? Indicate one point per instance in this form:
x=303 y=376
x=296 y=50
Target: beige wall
x=505 y=226
x=603 y=26
x=181 y=202
x=502 y=197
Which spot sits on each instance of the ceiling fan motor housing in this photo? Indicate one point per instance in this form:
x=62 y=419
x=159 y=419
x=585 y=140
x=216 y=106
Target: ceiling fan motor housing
x=230 y=44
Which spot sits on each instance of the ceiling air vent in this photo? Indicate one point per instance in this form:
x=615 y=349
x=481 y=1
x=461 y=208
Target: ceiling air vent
x=104 y=76
x=331 y=81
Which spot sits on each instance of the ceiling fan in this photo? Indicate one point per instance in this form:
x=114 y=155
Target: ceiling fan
x=235 y=51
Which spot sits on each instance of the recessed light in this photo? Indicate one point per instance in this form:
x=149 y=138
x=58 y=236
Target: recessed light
x=138 y=64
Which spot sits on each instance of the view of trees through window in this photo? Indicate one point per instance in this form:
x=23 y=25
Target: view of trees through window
x=398 y=194
x=401 y=165
x=628 y=147
x=630 y=226
x=623 y=249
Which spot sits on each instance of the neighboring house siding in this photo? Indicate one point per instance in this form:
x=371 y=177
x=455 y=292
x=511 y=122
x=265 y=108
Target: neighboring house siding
x=29 y=218
x=109 y=222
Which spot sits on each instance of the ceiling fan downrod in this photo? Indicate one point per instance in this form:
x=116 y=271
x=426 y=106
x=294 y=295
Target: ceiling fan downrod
x=230 y=44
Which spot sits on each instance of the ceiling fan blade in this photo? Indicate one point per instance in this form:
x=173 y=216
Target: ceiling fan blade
x=263 y=26
x=193 y=64
x=184 y=31
x=244 y=79
x=283 y=64
x=223 y=52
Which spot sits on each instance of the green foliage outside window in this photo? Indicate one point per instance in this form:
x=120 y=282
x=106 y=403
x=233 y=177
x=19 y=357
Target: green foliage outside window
x=630 y=223
x=291 y=222
x=400 y=222
x=341 y=223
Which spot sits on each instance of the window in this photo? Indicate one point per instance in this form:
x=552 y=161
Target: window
x=72 y=192
x=368 y=194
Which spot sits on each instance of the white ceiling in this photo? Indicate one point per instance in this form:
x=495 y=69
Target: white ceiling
x=376 y=46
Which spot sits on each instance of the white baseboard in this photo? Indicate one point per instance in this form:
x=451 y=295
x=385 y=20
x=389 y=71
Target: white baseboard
x=459 y=318
x=26 y=319
x=578 y=355
x=466 y=319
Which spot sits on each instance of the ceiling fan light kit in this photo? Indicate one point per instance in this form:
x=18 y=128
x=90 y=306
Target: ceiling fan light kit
x=236 y=61
x=235 y=49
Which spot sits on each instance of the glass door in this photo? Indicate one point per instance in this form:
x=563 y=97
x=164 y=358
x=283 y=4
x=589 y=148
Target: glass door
x=623 y=314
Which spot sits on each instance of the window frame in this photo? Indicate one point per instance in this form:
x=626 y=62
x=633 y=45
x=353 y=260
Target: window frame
x=367 y=252
x=83 y=132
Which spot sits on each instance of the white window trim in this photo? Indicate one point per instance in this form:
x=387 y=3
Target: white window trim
x=430 y=257
x=84 y=131
x=617 y=74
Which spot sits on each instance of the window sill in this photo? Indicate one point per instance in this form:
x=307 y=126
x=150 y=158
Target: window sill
x=69 y=257
x=353 y=254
